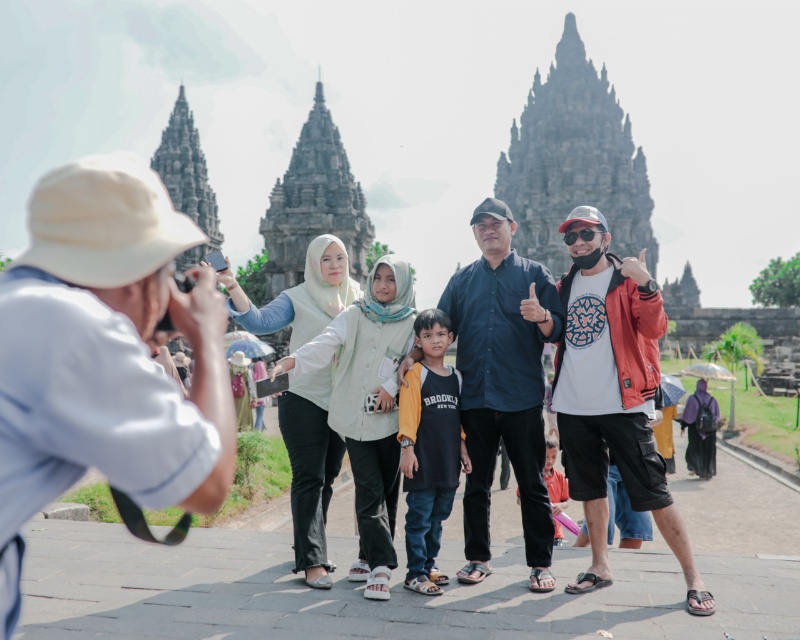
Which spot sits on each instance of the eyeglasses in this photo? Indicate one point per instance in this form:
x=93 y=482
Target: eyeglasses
x=587 y=235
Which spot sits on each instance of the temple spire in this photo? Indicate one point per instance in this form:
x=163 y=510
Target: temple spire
x=570 y=50
x=181 y=164
x=573 y=145
x=318 y=194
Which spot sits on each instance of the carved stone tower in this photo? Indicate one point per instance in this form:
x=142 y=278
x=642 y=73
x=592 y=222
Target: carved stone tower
x=683 y=292
x=318 y=195
x=180 y=162
x=574 y=147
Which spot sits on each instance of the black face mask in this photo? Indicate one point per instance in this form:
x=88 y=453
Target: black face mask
x=590 y=260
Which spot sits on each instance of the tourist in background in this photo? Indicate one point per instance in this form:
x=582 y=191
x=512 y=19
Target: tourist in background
x=701 y=453
x=244 y=390
x=182 y=363
x=663 y=431
x=557 y=488
x=259 y=371
x=550 y=418
x=315 y=451
x=171 y=369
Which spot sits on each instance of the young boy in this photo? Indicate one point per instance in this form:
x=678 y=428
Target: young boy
x=433 y=449
x=556 y=486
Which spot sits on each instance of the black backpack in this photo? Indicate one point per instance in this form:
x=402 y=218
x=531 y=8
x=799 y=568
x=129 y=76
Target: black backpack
x=705 y=418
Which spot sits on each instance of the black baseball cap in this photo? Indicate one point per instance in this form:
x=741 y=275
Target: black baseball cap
x=493 y=207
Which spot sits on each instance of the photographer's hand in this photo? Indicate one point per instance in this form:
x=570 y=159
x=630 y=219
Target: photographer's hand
x=201 y=317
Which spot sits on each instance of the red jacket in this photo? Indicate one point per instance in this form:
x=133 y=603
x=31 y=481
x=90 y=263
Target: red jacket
x=636 y=322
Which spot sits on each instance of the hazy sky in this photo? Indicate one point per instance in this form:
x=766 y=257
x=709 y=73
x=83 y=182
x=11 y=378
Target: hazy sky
x=424 y=94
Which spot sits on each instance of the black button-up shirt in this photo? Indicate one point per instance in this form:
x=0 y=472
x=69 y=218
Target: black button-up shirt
x=499 y=352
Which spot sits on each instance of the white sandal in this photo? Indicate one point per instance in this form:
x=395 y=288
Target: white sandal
x=378 y=577
x=359 y=577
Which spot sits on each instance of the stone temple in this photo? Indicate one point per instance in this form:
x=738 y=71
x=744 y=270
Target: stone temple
x=318 y=195
x=683 y=292
x=180 y=162
x=573 y=146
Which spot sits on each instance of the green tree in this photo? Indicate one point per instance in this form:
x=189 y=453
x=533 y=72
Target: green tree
x=253 y=278
x=779 y=284
x=740 y=342
x=377 y=251
x=4 y=262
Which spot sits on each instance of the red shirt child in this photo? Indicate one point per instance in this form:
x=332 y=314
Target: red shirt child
x=557 y=487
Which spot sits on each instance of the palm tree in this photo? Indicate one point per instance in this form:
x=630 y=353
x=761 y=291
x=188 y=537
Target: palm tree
x=739 y=343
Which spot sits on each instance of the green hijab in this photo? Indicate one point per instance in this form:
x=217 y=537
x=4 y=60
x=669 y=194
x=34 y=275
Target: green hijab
x=403 y=305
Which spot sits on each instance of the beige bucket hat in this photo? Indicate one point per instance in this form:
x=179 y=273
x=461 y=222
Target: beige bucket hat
x=238 y=359
x=105 y=221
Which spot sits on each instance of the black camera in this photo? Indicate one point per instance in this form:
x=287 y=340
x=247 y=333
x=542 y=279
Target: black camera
x=185 y=284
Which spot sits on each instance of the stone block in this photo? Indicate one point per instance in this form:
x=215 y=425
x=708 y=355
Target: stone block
x=66 y=511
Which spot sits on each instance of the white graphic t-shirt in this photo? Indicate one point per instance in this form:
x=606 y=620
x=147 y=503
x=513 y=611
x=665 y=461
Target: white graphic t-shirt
x=588 y=382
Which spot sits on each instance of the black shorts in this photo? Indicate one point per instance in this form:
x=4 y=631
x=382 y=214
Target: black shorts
x=587 y=441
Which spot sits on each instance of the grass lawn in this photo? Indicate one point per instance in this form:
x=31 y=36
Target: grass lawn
x=768 y=423
x=262 y=472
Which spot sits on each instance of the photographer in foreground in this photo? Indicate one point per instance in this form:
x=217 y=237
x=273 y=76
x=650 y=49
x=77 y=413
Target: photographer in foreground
x=78 y=385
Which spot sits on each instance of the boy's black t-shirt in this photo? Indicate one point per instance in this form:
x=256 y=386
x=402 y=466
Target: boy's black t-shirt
x=438 y=442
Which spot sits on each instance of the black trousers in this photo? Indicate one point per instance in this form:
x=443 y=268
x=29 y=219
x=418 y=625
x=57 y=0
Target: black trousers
x=523 y=435
x=376 y=474
x=315 y=453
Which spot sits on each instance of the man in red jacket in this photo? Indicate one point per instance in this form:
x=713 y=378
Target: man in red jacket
x=607 y=373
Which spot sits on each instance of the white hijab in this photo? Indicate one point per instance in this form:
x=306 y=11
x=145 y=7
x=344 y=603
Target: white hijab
x=331 y=300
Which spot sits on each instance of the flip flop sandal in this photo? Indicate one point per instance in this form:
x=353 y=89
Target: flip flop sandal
x=469 y=568
x=699 y=596
x=438 y=578
x=597 y=583
x=378 y=576
x=359 y=577
x=539 y=575
x=423 y=586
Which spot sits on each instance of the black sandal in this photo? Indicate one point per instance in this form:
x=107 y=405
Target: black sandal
x=699 y=597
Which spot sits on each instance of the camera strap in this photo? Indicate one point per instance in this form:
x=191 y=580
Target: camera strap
x=133 y=518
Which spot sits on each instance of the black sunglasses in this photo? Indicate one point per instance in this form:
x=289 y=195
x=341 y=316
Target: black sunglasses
x=570 y=237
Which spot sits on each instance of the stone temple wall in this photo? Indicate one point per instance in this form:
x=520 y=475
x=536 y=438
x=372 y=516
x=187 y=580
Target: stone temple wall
x=779 y=328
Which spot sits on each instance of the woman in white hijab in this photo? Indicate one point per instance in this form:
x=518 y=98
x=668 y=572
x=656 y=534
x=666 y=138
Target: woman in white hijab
x=315 y=451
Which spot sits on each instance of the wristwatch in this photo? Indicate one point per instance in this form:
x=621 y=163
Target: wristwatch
x=651 y=286
x=406 y=442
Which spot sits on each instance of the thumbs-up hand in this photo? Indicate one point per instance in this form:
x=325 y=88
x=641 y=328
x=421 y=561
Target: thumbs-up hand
x=530 y=309
x=636 y=269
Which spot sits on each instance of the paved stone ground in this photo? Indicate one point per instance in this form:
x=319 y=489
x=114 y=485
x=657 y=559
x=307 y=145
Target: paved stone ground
x=91 y=580
x=86 y=580
x=741 y=510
